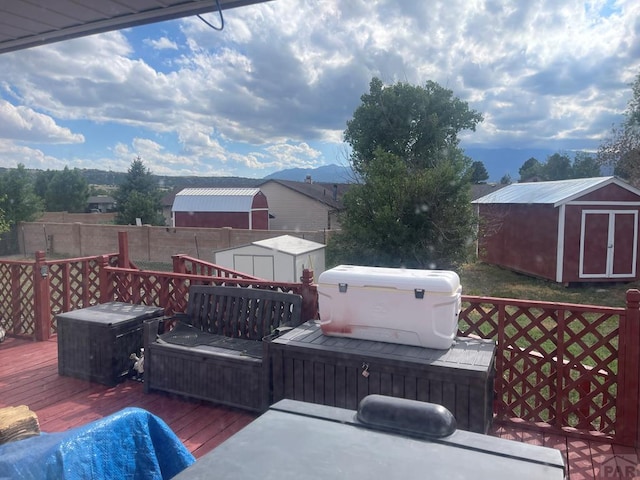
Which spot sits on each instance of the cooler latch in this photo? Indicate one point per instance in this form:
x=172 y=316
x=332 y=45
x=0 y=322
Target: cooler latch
x=342 y=287
x=418 y=293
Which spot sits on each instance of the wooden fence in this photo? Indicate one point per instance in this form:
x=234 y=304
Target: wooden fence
x=169 y=289
x=564 y=367
x=571 y=368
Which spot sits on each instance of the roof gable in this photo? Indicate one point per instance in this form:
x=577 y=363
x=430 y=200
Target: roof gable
x=214 y=199
x=101 y=199
x=555 y=193
x=319 y=191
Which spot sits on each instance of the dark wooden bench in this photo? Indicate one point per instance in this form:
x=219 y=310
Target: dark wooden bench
x=215 y=350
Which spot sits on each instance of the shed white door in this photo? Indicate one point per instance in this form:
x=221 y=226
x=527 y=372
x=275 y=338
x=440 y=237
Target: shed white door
x=608 y=243
x=260 y=266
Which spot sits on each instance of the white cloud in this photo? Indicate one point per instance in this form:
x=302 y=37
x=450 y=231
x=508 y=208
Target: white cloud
x=162 y=43
x=12 y=154
x=23 y=123
x=295 y=155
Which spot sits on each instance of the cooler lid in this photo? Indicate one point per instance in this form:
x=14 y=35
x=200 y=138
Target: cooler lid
x=438 y=281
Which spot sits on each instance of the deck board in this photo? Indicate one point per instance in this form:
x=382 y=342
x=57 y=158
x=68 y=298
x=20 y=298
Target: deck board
x=29 y=376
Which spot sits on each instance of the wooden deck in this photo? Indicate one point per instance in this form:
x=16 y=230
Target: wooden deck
x=29 y=376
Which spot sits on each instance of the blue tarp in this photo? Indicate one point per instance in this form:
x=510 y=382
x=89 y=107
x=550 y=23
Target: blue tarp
x=130 y=444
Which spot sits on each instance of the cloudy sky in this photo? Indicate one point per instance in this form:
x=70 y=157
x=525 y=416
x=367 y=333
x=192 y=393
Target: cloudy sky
x=275 y=88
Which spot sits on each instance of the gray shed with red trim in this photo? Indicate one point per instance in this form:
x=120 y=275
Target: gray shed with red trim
x=581 y=230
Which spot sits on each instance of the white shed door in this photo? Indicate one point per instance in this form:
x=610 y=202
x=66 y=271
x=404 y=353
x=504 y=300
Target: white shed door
x=260 y=266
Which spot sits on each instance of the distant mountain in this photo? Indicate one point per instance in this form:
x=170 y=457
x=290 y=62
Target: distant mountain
x=502 y=161
x=327 y=173
x=497 y=161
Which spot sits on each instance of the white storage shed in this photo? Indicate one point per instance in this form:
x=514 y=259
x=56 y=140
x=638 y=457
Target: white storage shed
x=280 y=259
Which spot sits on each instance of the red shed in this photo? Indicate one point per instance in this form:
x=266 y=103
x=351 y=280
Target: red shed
x=221 y=207
x=581 y=230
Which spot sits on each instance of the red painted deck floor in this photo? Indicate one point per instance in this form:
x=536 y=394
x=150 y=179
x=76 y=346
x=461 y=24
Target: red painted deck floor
x=29 y=376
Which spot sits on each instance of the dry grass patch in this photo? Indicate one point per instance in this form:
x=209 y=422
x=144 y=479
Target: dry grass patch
x=491 y=281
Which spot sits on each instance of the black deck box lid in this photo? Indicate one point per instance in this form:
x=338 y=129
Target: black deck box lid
x=111 y=313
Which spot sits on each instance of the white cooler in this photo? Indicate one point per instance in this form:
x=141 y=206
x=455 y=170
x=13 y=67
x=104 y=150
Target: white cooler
x=397 y=305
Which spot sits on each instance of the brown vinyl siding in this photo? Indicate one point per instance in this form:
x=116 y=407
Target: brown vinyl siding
x=522 y=238
x=294 y=211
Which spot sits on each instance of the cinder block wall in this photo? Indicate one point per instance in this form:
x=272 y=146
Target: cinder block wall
x=146 y=243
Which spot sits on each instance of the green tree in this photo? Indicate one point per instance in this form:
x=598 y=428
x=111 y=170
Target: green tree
x=585 y=166
x=19 y=201
x=395 y=219
x=139 y=197
x=4 y=224
x=557 y=167
x=412 y=206
x=140 y=206
x=506 y=179
x=628 y=164
x=529 y=169
x=478 y=172
x=67 y=191
x=621 y=149
x=415 y=123
x=633 y=108
x=42 y=181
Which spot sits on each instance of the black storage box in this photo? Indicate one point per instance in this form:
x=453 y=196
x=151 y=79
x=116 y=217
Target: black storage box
x=95 y=343
x=340 y=372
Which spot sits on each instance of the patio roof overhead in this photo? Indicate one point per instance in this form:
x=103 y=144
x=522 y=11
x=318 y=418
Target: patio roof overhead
x=29 y=23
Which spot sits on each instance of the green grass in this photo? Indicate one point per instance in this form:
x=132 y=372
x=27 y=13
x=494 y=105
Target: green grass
x=491 y=281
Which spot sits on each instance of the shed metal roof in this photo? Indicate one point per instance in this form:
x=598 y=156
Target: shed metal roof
x=214 y=200
x=289 y=244
x=554 y=193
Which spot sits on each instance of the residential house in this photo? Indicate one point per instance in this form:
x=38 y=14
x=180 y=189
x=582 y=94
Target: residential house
x=304 y=206
x=101 y=204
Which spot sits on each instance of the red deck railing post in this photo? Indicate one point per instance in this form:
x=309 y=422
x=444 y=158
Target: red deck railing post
x=178 y=264
x=41 y=307
x=16 y=295
x=123 y=250
x=628 y=411
x=309 y=296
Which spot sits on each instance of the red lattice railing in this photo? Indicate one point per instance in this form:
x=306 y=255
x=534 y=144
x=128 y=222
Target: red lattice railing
x=17 y=296
x=34 y=291
x=74 y=283
x=170 y=289
x=556 y=363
